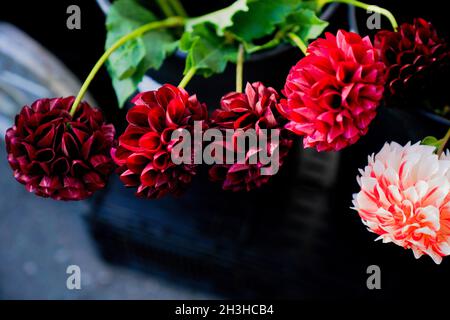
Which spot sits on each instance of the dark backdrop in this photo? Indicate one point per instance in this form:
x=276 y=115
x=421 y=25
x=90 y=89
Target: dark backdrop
x=45 y=21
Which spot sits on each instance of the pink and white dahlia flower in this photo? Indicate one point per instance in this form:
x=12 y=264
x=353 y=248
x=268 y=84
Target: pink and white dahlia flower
x=405 y=199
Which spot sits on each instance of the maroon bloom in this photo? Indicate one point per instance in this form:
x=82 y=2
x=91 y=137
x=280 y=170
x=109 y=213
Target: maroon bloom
x=59 y=156
x=332 y=94
x=416 y=59
x=144 y=151
x=254 y=109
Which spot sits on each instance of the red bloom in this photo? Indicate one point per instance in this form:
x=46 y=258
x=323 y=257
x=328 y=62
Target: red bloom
x=415 y=57
x=59 y=156
x=144 y=148
x=332 y=94
x=254 y=109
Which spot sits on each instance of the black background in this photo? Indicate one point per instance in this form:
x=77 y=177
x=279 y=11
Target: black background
x=45 y=21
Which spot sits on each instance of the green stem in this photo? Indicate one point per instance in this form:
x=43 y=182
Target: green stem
x=178 y=8
x=365 y=6
x=444 y=143
x=167 y=23
x=240 y=69
x=165 y=8
x=299 y=42
x=187 y=77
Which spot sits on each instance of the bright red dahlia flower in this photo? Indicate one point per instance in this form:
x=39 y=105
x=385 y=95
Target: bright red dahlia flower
x=415 y=57
x=332 y=94
x=144 y=151
x=254 y=109
x=59 y=156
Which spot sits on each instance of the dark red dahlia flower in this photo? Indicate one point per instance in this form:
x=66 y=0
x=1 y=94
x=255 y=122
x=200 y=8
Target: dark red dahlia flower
x=59 y=156
x=144 y=151
x=332 y=94
x=254 y=109
x=416 y=59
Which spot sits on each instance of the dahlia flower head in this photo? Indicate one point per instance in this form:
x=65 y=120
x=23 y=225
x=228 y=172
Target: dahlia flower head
x=332 y=94
x=59 y=156
x=144 y=151
x=414 y=56
x=405 y=198
x=256 y=109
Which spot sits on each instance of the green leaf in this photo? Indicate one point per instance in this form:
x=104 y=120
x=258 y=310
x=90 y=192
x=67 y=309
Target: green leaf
x=262 y=18
x=207 y=52
x=432 y=141
x=275 y=41
x=124 y=89
x=305 y=24
x=128 y=64
x=222 y=19
x=126 y=59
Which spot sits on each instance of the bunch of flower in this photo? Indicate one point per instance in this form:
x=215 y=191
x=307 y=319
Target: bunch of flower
x=63 y=149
